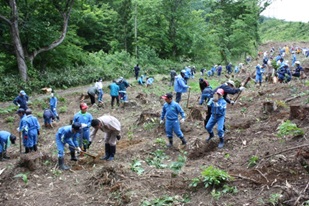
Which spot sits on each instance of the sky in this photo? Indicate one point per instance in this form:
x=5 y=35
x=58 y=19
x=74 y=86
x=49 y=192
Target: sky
x=289 y=10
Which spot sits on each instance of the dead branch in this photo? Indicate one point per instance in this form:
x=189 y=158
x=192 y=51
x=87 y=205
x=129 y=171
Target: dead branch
x=262 y=175
x=246 y=178
x=291 y=98
x=283 y=151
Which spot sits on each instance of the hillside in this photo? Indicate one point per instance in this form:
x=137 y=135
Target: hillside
x=264 y=169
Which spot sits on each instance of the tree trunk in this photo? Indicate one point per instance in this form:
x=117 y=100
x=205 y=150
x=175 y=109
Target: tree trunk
x=20 y=56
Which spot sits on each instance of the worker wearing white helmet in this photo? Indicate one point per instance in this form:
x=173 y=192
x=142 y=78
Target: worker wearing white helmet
x=297 y=70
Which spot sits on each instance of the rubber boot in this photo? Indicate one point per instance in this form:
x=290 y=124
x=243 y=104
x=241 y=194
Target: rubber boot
x=107 y=152
x=211 y=135
x=35 y=147
x=27 y=150
x=4 y=156
x=85 y=148
x=61 y=164
x=89 y=143
x=183 y=141
x=221 y=143
x=73 y=157
x=112 y=152
x=57 y=117
x=170 y=144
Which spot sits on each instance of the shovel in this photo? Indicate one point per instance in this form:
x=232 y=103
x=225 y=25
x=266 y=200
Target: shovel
x=90 y=155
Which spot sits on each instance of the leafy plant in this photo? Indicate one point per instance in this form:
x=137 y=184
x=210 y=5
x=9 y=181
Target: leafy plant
x=156 y=159
x=194 y=182
x=281 y=104
x=24 y=177
x=288 y=128
x=253 y=161
x=160 y=141
x=212 y=176
x=63 y=109
x=56 y=172
x=215 y=194
x=229 y=189
x=9 y=119
x=149 y=125
x=274 y=199
x=136 y=167
x=9 y=109
x=181 y=160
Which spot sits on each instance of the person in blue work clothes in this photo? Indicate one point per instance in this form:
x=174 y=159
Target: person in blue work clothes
x=21 y=100
x=180 y=85
x=31 y=130
x=218 y=108
x=297 y=70
x=114 y=93
x=259 y=74
x=123 y=85
x=6 y=138
x=48 y=116
x=293 y=58
x=284 y=73
x=149 y=81
x=228 y=88
x=84 y=118
x=67 y=135
x=22 y=115
x=170 y=112
x=53 y=101
x=206 y=90
x=141 y=80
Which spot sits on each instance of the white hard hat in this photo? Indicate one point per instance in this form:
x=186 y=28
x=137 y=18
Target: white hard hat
x=231 y=82
x=297 y=62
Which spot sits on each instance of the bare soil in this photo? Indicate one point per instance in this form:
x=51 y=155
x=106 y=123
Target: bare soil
x=281 y=170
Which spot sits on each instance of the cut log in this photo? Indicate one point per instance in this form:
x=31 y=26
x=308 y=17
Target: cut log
x=196 y=113
x=269 y=107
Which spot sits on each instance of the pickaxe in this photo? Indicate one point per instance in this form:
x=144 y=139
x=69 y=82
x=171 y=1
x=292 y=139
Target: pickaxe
x=245 y=83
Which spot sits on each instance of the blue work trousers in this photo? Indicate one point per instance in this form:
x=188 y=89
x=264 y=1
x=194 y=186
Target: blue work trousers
x=211 y=123
x=178 y=96
x=173 y=126
x=60 y=146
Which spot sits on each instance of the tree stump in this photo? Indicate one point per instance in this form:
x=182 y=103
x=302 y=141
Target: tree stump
x=196 y=113
x=31 y=160
x=147 y=116
x=298 y=112
x=269 y=107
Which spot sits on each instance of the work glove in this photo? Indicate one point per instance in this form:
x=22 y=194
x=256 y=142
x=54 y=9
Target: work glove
x=18 y=130
x=84 y=125
x=241 y=88
x=78 y=149
x=18 y=105
x=232 y=102
x=54 y=109
x=118 y=137
x=182 y=120
x=161 y=121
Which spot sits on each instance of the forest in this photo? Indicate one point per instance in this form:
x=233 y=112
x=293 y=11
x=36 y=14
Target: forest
x=68 y=43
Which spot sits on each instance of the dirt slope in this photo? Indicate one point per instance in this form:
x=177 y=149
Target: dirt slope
x=280 y=170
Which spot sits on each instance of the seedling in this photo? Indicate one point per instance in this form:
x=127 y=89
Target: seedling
x=136 y=167
x=176 y=166
x=24 y=177
x=288 y=128
x=63 y=109
x=253 y=161
x=212 y=176
x=274 y=199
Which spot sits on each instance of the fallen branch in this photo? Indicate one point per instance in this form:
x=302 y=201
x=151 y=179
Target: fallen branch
x=292 y=148
x=246 y=178
x=291 y=98
x=262 y=175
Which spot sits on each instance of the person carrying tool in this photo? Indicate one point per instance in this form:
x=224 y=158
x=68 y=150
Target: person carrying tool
x=112 y=128
x=84 y=118
x=180 y=85
x=21 y=100
x=6 y=138
x=67 y=135
x=228 y=88
x=170 y=112
x=53 y=101
x=218 y=108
